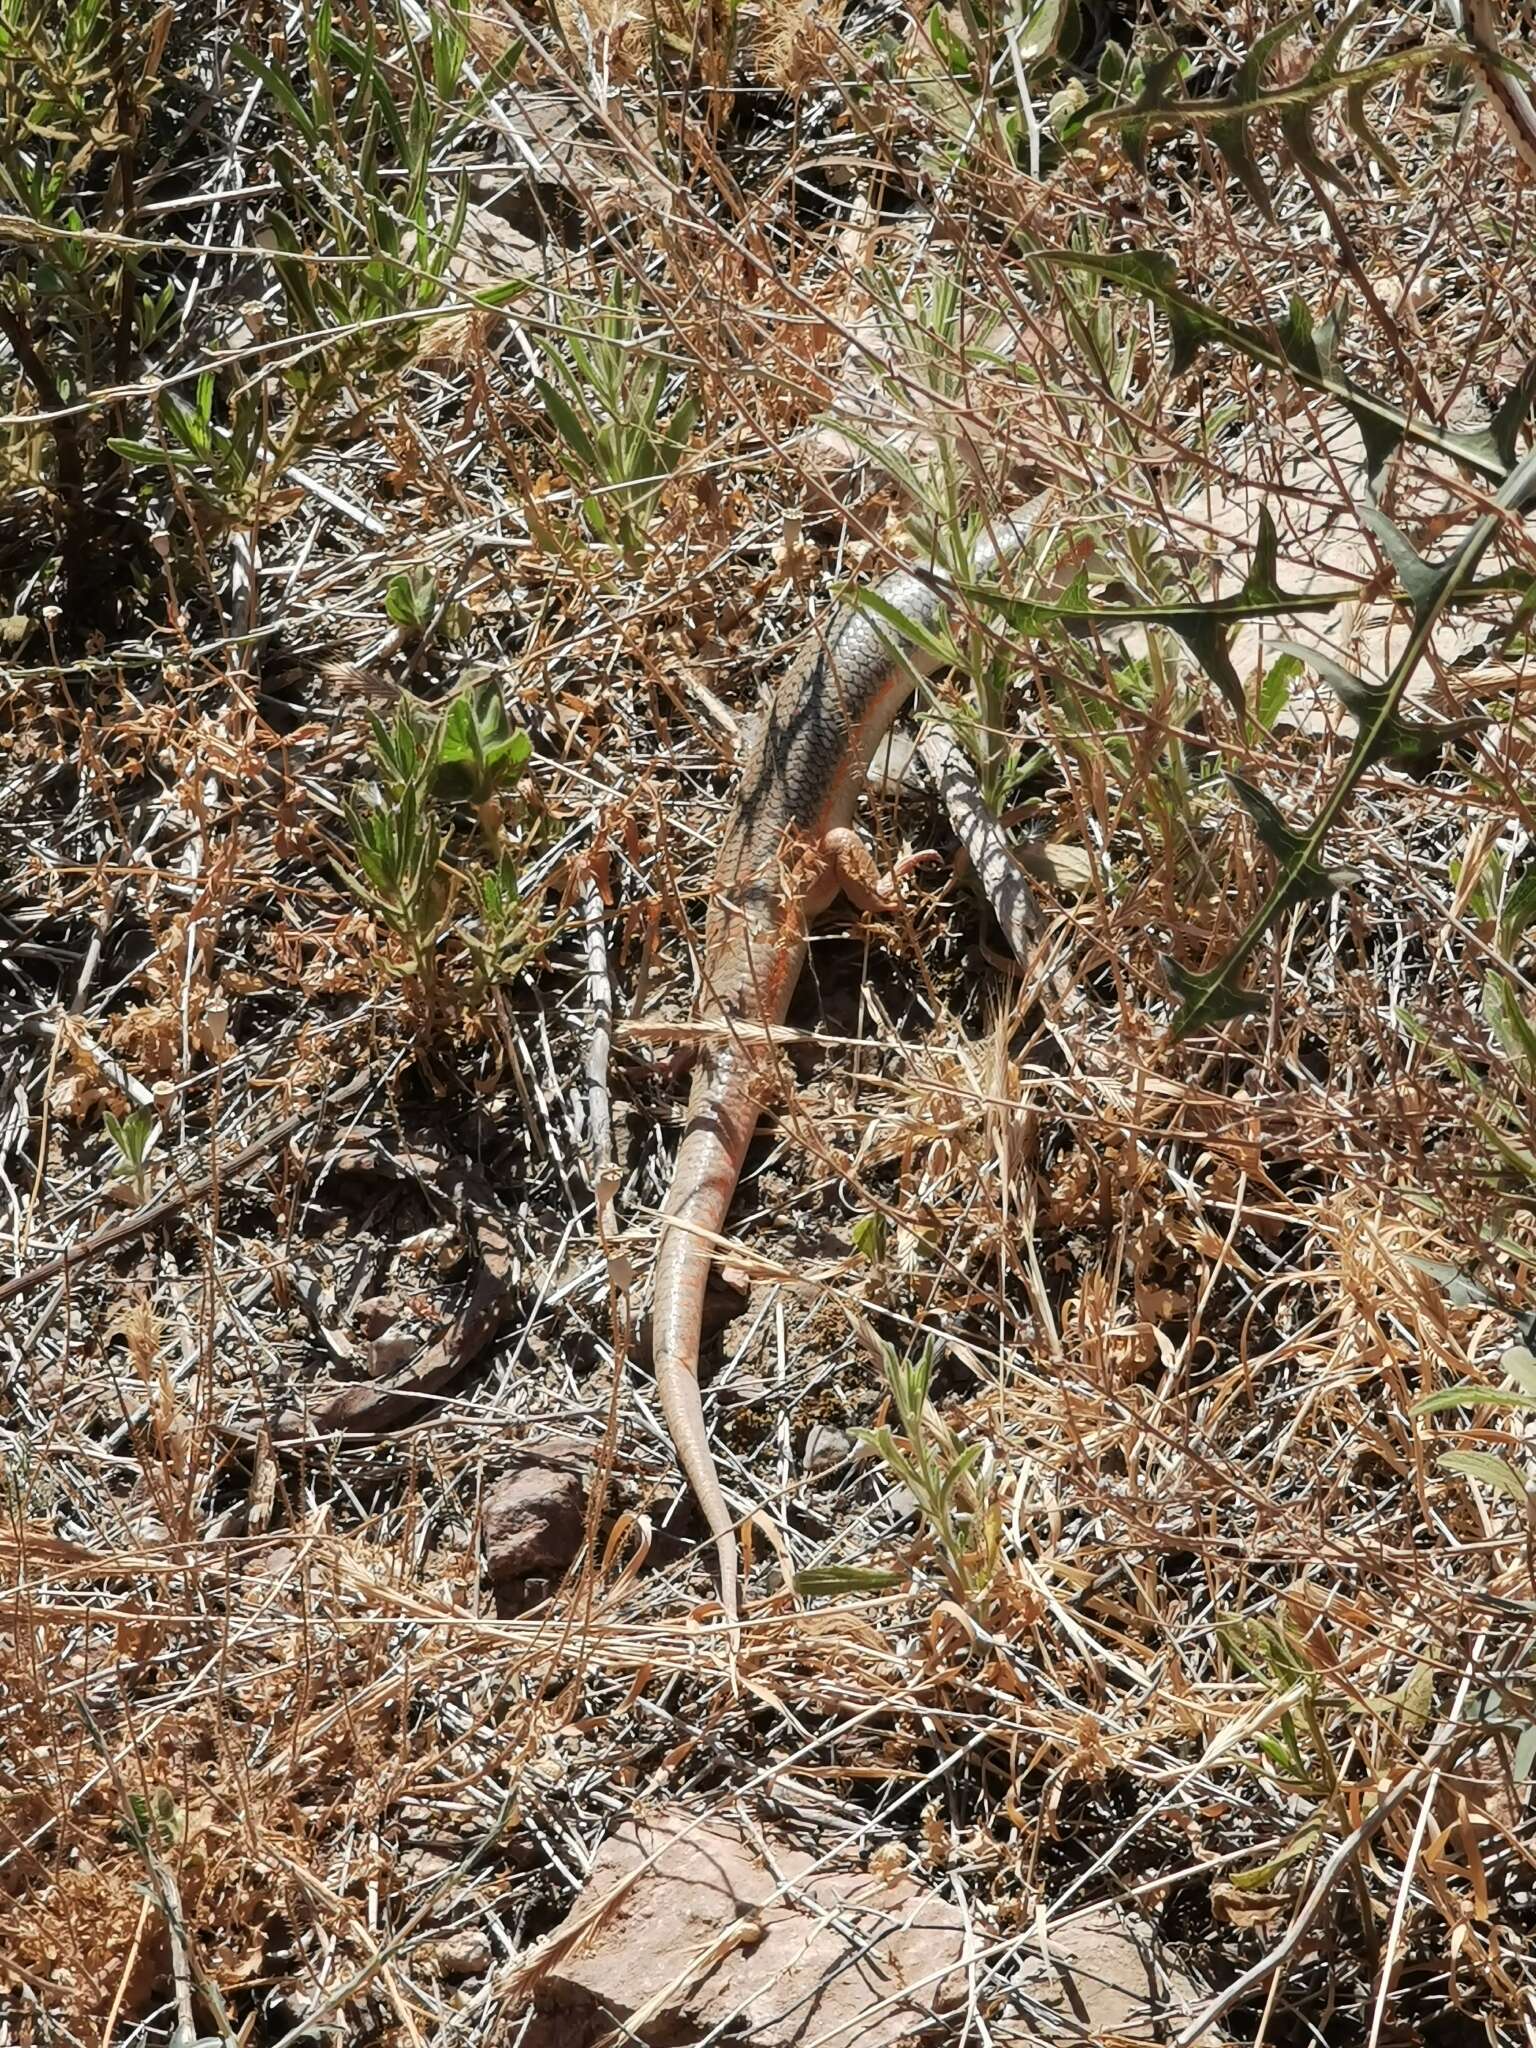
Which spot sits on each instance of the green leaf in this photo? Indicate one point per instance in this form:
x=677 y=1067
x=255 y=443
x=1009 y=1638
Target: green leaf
x=1296 y=127
x=1414 y=1699
x=1275 y=690
x=1041 y=30
x=1511 y=1025
x=1504 y=427
x=1259 y=1877
x=411 y=599
x=1384 y=733
x=1420 y=579
x=1489 y=1471
x=830 y=1581
x=147 y=452
x=478 y=750
x=1229 y=116
x=868 y=1237
x=1462 y=1289
x=1518 y=1159
x=1231 y=139
x=186 y=423
x=937 y=646
x=1289 y=846
x=1261 y=586
x=1208 y=641
x=568 y=426
x=495 y=295
x=1469 y=1395
x=279 y=90
x=1360 y=127
x=679 y=429
x=1519 y=909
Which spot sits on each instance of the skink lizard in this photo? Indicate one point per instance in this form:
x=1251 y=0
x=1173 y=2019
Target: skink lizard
x=788 y=851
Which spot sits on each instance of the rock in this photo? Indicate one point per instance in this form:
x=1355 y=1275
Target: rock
x=709 y=1937
x=466 y=1952
x=1104 y=1975
x=827 y=1447
x=532 y=1520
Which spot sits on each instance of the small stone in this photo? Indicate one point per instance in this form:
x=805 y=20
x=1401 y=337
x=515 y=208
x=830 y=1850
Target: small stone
x=533 y=1520
x=464 y=1953
x=827 y=1447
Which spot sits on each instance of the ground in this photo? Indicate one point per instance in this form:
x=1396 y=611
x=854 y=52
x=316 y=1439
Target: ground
x=427 y=435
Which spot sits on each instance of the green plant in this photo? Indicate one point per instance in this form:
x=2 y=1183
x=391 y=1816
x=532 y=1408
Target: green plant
x=1300 y=1750
x=1383 y=733
x=936 y=343
x=1518 y=1367
x=934 y=339
x=975 y=72
x=603 y=399
x=405 y=750
x=156 y=1826
x=77 y=306
x=1504 y=1092
x=361 y=242
x=215 y=449
x=502 y=937
x=1308 y=352
x=1229 y=118
x=954 y=1484
x=407 y=864
x=479 y=755
x=133 y=1139
x=400 y=874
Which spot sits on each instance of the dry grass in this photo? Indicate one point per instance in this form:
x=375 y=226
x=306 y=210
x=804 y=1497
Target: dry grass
x=273 y=1763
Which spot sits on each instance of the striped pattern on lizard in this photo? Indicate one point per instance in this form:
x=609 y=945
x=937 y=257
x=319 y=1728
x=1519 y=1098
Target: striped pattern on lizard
x=788 y=851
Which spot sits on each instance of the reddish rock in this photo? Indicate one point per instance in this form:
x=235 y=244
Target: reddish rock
x=532 y=1519
x=710 y=1936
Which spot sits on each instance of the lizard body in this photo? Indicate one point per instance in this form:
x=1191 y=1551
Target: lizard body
x=788 y=852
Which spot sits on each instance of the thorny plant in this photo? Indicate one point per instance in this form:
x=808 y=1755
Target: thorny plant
x=1385 y=733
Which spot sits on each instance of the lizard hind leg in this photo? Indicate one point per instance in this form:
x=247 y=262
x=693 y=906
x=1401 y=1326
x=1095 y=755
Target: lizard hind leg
x=853 y=870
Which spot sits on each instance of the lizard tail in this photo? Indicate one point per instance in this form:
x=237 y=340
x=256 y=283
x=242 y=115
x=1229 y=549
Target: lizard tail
x=709 y=1163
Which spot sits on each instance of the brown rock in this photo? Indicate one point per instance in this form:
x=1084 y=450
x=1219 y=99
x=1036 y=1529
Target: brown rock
x=1097 y=1977
x=709 y=1936
x=464 y=1953
x=532 y=1520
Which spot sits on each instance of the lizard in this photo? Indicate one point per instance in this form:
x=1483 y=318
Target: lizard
x=789 y=849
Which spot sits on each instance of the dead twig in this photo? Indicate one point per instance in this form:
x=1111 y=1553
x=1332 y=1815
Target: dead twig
x=151 y=1214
